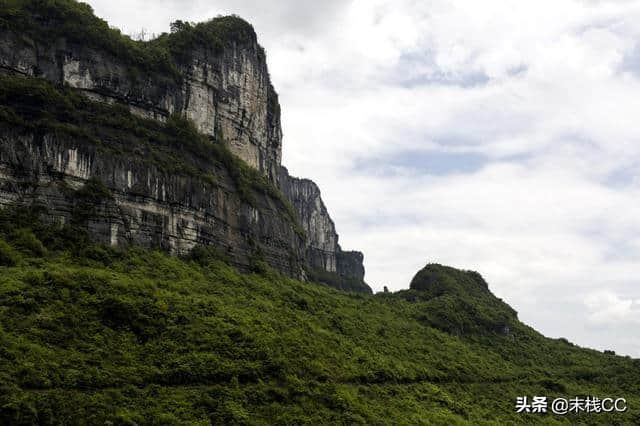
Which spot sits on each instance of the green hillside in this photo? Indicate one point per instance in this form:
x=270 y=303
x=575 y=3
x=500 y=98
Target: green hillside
x=92 y=335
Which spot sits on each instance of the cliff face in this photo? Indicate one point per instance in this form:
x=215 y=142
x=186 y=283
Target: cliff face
x=148 y=207
x=227 y=94
x=216 y=76
x=322 y=242
x=322 y=251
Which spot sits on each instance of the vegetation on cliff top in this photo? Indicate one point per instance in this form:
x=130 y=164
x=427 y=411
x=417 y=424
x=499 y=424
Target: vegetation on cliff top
x=47 y=21
x=137 y=337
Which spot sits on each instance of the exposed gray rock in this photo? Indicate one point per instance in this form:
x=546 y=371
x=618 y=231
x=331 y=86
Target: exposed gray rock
x=149 y=208
x=322 y=249
x=227 y=94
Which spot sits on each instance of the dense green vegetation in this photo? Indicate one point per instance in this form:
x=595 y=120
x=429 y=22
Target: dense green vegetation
x=45 y=21
x=176 y=147
x=214 y=35
x=460 y=302
x=92 y=334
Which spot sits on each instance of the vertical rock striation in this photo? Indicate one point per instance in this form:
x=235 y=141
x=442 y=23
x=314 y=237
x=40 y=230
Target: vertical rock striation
x=322 y=251
x=148 y=206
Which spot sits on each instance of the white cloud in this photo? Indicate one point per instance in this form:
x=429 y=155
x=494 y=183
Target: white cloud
x=607 y=308
x=546 y=93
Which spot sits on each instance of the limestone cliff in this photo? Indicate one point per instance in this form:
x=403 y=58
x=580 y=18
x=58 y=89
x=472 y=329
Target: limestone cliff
x=149 y=205
x=226 y=92
x=322 y=251
x=165 y=192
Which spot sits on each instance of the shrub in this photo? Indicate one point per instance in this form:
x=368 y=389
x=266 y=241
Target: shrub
x=145 y=319
x=87 y=199
x=8 y=256
x=25 y=240
x=205 y=255
x=102 y=254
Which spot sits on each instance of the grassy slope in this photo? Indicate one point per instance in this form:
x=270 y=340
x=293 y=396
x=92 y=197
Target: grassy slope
x=137 y=337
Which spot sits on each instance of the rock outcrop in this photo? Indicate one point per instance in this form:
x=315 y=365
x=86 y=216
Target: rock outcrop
x=213 y=74
x=322 y=251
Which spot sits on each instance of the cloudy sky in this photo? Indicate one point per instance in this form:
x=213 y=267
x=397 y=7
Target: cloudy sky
x=498 y=136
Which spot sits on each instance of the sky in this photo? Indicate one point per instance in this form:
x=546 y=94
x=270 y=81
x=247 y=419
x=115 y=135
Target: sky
x=496 y=136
